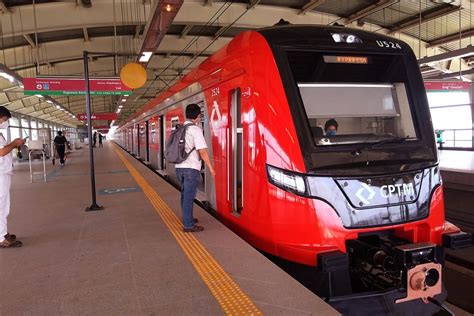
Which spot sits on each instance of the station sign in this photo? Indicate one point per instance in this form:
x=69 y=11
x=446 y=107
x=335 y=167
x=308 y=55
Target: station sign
x=98 y=116
x=446 y=86
x=74 y=86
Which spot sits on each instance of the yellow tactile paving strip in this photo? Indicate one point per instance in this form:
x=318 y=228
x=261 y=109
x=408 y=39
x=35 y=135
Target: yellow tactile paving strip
x=227 y=293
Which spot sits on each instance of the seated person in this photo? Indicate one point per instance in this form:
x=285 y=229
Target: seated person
x=331 y=127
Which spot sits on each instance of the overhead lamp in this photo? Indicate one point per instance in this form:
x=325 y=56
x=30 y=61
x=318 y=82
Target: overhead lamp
x=126 y=95
x=38 y=95
x=58 y=107
x=120 y=106
x=145 y=57
x=118 y=110
x=168 y=8
x=124 y=100
x=7 y=76
x=443 y=1
x=10 y=75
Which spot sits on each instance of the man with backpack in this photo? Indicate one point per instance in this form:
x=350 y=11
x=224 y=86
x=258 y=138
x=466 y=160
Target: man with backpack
x=186 y=147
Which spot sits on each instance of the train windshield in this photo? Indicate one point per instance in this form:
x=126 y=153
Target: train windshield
x=353 y=99
x=357 y=113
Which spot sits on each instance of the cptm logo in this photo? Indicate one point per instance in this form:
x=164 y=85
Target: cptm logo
x=366 y=193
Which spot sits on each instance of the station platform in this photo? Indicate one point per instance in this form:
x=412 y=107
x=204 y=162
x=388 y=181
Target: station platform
x=132 y=257
x=457 y=170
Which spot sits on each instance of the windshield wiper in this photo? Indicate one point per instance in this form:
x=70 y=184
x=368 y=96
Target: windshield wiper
x=368 y=146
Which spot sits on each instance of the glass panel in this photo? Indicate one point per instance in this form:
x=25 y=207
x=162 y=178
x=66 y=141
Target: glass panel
x=14 y=132
x=367 y=104
x=25 y=123
x=358 y=113
x=34 y=134
x=14 y=121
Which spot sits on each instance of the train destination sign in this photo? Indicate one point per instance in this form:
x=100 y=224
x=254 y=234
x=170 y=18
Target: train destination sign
x=98 y=116
x=346 y=60
x=74 y=86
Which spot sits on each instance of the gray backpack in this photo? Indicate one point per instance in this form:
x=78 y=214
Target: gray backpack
x=175 y=146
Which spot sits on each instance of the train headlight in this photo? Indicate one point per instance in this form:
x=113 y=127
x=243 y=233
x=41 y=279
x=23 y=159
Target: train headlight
x=345 y=38
x=287 y=180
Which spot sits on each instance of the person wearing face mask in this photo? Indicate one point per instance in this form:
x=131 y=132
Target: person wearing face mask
x=331 y=127
x=6 y=240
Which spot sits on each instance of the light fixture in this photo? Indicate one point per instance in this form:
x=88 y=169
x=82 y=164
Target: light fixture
x=11 y=76
x=145 y=57
x=7 y=76
x=168 y=8
x=38 y=95
x=118 y=110
x=126 y=95
x=58 y=107
x=120 y=106
x=124 y=100
x=443 y=1
x=345 y=38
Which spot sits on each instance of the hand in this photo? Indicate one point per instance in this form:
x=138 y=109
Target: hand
x=17 y=142
x=213 y=172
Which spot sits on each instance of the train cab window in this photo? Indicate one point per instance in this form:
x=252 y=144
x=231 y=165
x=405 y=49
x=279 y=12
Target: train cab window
x=366 y=94
x=363 y=112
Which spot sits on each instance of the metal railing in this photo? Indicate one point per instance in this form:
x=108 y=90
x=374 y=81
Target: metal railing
x=459 y=139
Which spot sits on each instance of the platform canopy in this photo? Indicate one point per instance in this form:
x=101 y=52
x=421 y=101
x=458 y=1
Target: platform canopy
x=47 y=38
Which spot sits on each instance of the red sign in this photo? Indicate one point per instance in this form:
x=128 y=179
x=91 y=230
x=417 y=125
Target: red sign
x=446 y=86
x=98 y=116
x=74 y=86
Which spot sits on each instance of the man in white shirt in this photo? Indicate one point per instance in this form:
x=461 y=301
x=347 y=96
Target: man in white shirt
x=189 y=171
x=6 y=240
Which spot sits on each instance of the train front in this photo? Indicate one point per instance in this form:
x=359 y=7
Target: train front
x=371 y=173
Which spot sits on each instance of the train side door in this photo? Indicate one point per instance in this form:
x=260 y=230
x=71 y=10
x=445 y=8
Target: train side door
x=137 y=135
x=147 y=143
x=161 y=155
x=235 y=171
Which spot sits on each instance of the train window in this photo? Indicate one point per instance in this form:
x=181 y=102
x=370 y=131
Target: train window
x=153 y=133
x=174 y=122
x=237 y=153
x=368 y=100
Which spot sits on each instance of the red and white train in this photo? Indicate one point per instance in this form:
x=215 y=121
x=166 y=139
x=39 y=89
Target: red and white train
x=365 y=207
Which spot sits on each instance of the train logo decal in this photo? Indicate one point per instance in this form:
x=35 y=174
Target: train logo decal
x=365 y=194
x=398 y=189
x=362 y=198
x=215 y=117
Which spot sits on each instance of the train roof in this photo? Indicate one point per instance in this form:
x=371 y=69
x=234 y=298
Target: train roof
x=311 y=36
x=320 y=36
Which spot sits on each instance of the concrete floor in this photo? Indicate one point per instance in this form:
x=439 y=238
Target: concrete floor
x=122 y=260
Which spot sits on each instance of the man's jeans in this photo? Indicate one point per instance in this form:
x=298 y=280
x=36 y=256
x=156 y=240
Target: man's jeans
x=189 y=180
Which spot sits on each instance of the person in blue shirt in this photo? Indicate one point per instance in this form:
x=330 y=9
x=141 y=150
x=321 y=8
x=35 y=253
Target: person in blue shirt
x=330 y=128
